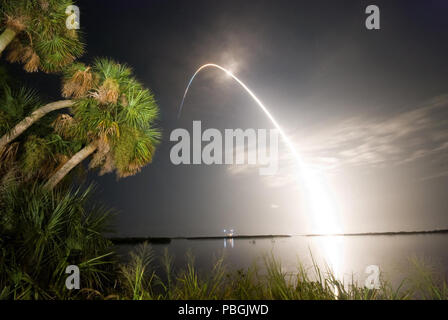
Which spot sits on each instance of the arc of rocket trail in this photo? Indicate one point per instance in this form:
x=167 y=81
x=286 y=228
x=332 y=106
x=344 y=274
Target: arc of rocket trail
x=254 y=97
x=322 y=207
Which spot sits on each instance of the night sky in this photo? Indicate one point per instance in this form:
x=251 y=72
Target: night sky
x=368 y=108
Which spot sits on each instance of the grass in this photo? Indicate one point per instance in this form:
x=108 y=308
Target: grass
x=145 y=277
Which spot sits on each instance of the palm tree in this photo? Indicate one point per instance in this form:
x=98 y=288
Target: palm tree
x=26 y=122
x=35 y=34
x=39 y=152
x=115 y=119
x=77 y=81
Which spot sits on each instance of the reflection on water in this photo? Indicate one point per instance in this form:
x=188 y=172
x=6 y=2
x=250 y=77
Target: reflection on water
x=331 y=248
x=346 y=256
x=230 y=241
x=332 y=251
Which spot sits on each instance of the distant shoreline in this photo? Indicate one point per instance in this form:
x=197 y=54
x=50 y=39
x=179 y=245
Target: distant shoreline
x=240 y=237
x=392 y=233
x=167 y=240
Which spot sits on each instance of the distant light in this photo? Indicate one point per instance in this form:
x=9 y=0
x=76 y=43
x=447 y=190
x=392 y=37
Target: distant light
x=229 y=233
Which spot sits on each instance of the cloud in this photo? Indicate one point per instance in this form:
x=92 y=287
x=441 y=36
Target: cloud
x=386 y=141
x=370 y=142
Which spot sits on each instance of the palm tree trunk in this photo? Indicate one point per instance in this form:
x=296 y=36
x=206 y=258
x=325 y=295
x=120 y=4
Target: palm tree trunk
x=70 y=164
x=28 y=121
x=6 y=38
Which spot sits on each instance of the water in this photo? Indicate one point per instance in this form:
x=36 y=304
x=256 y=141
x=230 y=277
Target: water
x=348 y=256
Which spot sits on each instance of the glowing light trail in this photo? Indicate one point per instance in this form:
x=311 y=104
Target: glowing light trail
x=322 y=205
x=277 y=126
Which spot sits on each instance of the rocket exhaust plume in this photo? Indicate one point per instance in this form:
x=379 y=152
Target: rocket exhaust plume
x=321 y=205
x=260 y=104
